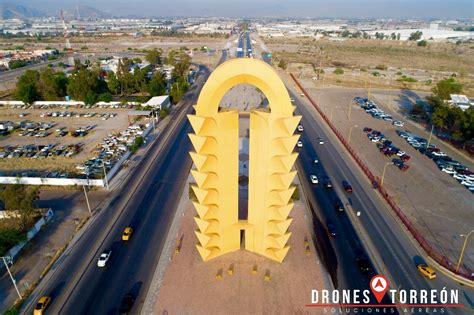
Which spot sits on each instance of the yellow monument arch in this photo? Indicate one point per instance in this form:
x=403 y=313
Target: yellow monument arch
x=271 y=157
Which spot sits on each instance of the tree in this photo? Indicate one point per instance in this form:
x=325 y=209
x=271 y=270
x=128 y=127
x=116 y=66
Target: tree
x=113 y=83
x=283 y=64
x=21 y=198
x=9 y=237
x=27 y=87
x=157 y=84
x=446 y=87
x=52 y=84
x=83 y=82
x=393 y=36
x=415 y=36
x=398 y=36
x=153 y=57
x=422 y=43
x=177 y=90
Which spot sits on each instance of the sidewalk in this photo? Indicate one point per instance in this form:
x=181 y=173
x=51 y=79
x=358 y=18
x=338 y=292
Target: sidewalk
x=70 y=213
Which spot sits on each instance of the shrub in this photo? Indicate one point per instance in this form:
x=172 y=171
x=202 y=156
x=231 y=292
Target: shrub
x=339 y=71
x=381 y=67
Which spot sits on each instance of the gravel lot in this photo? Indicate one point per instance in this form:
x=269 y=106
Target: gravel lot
x=101 y=129
x=436 y=202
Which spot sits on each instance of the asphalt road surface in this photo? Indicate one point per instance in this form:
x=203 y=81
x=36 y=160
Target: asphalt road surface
x=396 y=255
x=146 y=202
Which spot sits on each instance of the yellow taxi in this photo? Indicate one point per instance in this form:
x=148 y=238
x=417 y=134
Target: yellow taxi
x=426 y=271
x=42 y=304
x=127 y=233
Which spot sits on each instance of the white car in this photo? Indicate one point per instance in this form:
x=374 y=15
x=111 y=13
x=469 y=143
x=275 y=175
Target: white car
x=103 y=258
x=316 y=161
x=401 y=153
x=299 y=144
x=398 y=123
x=313 y=179
x=300 y=128
x=440 y=153
x=458 y=176
x=449 y=171
x=320 y=141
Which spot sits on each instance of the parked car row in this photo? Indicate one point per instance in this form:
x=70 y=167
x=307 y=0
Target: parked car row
x=103 y=116
x=445 y=163
x=387 y=148
x=375 y=111
x=109 y=151
x=39 y=151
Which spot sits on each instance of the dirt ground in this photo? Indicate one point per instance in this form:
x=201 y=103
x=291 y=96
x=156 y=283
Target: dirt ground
x=241 y=293
x=439 y=206
x=380 y=63
x=101 y=130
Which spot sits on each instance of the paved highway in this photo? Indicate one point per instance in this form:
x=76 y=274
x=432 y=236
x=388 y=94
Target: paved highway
x=240 y=46
x=389 y=246
x=147 y=202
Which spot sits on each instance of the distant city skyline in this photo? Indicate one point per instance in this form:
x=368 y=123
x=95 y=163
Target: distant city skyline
x=411 y=9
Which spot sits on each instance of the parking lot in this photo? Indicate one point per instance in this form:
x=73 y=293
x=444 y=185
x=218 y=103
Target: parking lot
x=53 y=141
x=439 y=204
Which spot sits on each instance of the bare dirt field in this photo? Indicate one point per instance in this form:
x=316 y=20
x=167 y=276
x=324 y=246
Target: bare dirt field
x=190 y=285
x=439 y=205
x=379 y=63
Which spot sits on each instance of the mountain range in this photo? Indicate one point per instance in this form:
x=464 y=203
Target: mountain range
x=11 y=11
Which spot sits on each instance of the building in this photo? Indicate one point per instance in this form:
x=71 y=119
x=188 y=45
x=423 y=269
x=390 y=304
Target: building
x=461 y=101
x=159 y=102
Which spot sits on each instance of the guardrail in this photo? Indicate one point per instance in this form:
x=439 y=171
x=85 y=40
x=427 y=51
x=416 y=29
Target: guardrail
x=429 y=249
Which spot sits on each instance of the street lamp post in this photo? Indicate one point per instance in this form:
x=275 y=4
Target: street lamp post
x=463 y=248
x=11 y=277
x=429 y=138
x=105 y=176
x=350 y=133
x=383 y=173
x=87 y=200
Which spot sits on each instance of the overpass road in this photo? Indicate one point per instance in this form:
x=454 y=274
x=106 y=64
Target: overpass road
x=147 y=202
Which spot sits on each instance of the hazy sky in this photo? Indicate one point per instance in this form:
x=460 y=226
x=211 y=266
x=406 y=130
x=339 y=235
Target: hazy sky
x=262 y=8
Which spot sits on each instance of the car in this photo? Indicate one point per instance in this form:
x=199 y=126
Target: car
x=363 y=262
x=103 y=258
x=300 y=128
x=327 y=182
x=405 y=157
x=313 y=179
x=41 y=305
x=403 y=167
x=331 y=228
x=126 y=304
x=338 y=205
x=127 y=233
x=316 y=160
x=320 y=141
x=347 y=186
x=426 y=271
x=299 y=144
x=448 y=170
x=367 y=129
x=400 y=152
x=302 y=94
x=398 y=123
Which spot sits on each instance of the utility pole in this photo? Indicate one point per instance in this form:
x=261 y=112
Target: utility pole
x=431 y=134
x=105 y=176
x=87 y=200
x=11 y=277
